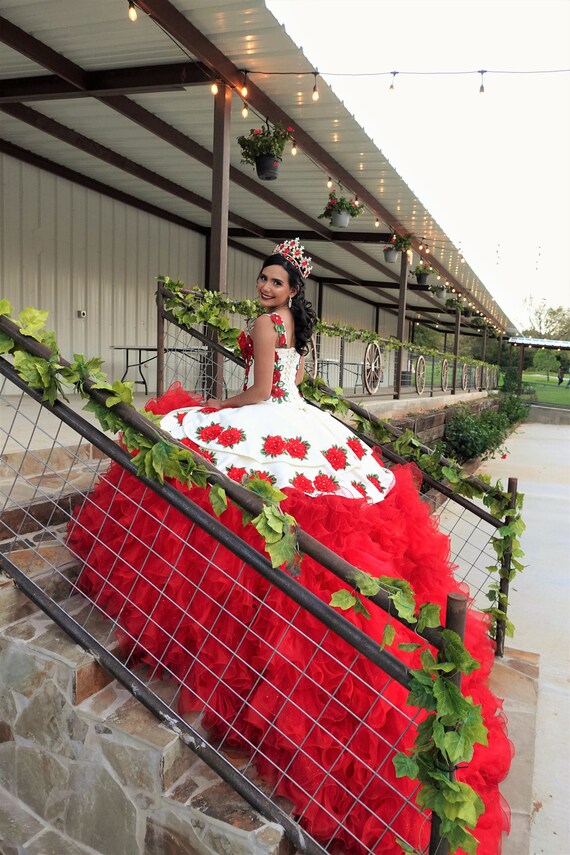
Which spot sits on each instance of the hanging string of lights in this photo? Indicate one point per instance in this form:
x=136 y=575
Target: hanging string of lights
x=242 y=90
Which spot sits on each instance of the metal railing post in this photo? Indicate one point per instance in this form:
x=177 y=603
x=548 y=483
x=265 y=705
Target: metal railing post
x=504 y=580
x=455 y=618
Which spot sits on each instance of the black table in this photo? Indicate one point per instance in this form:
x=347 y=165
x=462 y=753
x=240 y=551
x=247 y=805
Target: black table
x=137 y=355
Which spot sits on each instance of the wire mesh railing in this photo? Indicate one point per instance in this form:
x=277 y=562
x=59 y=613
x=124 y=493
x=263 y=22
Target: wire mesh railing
x=207 y=647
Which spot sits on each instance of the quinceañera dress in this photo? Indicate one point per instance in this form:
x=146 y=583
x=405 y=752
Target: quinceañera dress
x=273 y=657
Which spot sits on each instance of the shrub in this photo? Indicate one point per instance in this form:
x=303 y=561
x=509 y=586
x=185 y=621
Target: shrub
x=468 y=436
x=514 y=408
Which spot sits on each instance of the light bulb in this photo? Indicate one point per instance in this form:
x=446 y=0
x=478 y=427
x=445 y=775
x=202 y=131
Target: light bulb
x=356 y=202
x=245 y=111
x=329 y=183
x=315 y=95
x=420 y=247
x=214 y=88
x=394 y=73
x=377 y=223
x=294 y=148
x=132 y=11
x=243 y=89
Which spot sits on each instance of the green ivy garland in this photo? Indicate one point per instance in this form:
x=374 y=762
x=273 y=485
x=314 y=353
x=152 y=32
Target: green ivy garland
x=453 y=723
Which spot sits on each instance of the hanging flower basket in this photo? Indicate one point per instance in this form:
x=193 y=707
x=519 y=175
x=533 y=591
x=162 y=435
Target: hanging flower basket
x=340 y=219
x=340 y=205
x=267 y=167
x=390 y=254
x=263 y=148
x=421 y=272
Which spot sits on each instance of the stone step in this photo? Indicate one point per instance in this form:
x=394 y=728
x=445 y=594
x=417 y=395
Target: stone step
x=83 y=755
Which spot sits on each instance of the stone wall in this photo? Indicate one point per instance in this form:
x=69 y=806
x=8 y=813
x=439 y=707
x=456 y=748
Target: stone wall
x=86 y=769
x=430 y=426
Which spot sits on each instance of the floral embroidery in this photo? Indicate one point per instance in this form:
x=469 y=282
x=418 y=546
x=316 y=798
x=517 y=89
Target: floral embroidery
x=231 y=436
x=209 y=433
x=326 y=483
x=279 y=329
x=180 y=417
x=336 y=456
x=208 y=410
x=358 y=485
x=356 y=447
x=297 y=447
x=301 y=482
x=236 y=473
x=273 y=446
x=278 y=391
x=374 y=480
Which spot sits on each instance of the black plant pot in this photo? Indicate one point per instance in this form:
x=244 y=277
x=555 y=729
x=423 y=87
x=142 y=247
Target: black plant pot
x=422 y=278
x=267 y=166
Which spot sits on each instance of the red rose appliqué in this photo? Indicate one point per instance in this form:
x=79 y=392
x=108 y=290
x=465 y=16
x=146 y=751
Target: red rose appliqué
x=301 y=482
x=325 y=483
x=356 y=446
x=297 y=448
x=336 y=457
x=237 y=473
x=273 y=445
x=209 y=433
x=230 y=437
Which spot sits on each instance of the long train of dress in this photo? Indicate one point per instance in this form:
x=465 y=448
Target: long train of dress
x=287 y=681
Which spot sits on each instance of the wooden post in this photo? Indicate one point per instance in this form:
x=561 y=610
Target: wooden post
x=521 y=366
x=159 y=341
x=505 y=572
x=456 y=349
x=484 y=348
x=218 y=247
x=401 y=331
x=455 y=618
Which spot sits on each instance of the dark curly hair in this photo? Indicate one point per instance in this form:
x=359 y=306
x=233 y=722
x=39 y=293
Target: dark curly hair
x=304 y=316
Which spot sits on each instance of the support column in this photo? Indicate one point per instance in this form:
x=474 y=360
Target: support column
x=484 y=347
x=456 y=349
x=218 y=272
x=218 y=243
x=401 y=331
x=521 y=366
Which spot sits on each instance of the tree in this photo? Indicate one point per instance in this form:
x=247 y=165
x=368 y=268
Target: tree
x=547 y=321
x=546 y=361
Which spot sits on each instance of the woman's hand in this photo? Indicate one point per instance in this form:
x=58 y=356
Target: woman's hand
x=213 y=402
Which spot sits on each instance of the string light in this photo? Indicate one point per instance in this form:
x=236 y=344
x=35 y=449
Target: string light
x=421 y=246
x=214 y=88
x=329 y=183
x=243 y=89
x=245 y=111
x=377 y=223
x=482 y=87
x=394 y=73
x=315 y=95
x=294 y=148
x=356 y=202
x=133 y=15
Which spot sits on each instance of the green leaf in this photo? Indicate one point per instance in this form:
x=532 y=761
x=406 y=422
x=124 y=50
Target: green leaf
x=456 y=652
x=283 y=550
x=388 y=636
x=32 y=320
x=218 y=499
x=421 y=694
x=408 y=647
x=263 y=488
x=5 y=308
x=429 y=616
x=6 y=343
x=343 y=599
x=405 y=766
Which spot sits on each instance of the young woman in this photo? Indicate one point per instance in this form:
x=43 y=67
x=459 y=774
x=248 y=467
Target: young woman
x=270 y=677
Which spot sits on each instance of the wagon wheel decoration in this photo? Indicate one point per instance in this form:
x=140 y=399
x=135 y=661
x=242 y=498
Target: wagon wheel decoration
x=478 y=377
x=420 y=375
x=372 y=367
x=444 y=375
x=311 y=363
x=464 y=375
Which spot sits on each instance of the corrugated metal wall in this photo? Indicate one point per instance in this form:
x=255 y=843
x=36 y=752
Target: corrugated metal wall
x=66 y=249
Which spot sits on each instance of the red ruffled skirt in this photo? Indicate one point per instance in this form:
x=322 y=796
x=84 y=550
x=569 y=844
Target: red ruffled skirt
x=267 y=675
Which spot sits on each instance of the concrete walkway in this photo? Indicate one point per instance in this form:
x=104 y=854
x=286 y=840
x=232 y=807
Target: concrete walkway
x=539 y=455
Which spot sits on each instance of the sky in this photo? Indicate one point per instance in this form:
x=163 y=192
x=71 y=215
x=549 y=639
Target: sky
x=493 y=169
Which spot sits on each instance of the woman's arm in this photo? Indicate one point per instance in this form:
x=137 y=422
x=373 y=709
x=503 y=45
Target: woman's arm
x=264 y=338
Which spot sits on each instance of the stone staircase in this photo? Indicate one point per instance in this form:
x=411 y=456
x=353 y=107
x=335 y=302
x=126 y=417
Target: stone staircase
x=84 y=767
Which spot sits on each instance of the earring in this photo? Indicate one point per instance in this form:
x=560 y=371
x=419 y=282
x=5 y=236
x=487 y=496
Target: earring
x=290 y=301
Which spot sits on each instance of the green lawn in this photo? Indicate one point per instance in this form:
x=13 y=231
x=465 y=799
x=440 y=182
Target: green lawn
x=548 y=391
